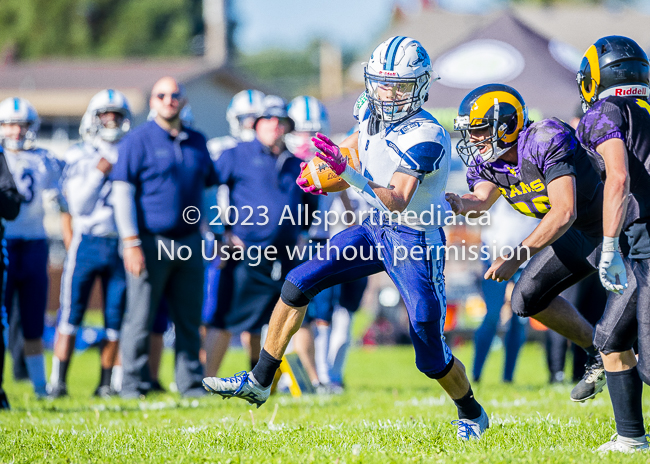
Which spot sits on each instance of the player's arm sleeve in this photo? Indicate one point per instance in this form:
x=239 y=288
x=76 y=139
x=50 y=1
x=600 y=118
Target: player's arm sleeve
x=558 y=159
x=123 y=200
x=601 y=124
x=224 y=166
x=420 y=159
x=210 y=210
x=55 y=168
x=82 y=189
x=125 y=177
x=10 y=199
x=474 y=177
x=211 y=178
x=130 y=154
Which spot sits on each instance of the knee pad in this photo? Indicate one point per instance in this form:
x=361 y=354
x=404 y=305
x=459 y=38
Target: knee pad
x=521 y=302
x=442 y=373
x=293 y=296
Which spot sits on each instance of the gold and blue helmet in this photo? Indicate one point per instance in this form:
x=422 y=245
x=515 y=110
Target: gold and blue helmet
x=496 y=107
x=614 y=65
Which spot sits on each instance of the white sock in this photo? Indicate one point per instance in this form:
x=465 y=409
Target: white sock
x=54 y=375
x=321 y=349
x=36 y=370
x=116 y=378
x=339 y=343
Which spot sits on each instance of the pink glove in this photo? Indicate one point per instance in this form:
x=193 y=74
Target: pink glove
x=312 y=188
x=330 y=153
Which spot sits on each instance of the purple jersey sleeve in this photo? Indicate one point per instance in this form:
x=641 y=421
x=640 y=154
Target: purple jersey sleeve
x=551 y=146
x=602 y=122
x=474 y=176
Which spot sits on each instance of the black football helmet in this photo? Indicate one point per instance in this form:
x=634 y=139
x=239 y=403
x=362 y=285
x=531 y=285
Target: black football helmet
x=497 y=107
x=614 y=65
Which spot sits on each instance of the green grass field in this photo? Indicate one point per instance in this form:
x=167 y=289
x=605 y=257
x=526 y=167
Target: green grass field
x=390 y=413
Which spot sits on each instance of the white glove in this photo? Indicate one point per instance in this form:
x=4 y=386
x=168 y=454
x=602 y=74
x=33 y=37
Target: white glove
x=611 y=268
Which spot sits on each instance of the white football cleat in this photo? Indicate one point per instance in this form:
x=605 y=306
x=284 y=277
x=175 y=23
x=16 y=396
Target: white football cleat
x=472 y=429
x=624 y=444
x=242 y=385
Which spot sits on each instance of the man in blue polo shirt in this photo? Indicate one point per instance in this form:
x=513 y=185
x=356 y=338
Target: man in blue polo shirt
x=162 y=170
x=260 y=175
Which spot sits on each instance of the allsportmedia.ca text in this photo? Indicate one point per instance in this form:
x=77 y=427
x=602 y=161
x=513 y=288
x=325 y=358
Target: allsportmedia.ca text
x=248 y=216
x=399 y=253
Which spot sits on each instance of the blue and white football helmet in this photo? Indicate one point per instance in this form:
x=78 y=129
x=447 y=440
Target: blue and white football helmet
x=244 y=108
x=106 y=101
x=19 y=111
x=398 y=77
x=309 y=116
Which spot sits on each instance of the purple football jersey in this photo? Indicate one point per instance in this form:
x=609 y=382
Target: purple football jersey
x=547 y=149
x=628 y=119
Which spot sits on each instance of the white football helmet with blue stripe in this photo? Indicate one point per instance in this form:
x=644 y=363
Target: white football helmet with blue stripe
x=106 y=101
x=309 y=116
x=19 y=111
x=244 y=108
x=398 y=77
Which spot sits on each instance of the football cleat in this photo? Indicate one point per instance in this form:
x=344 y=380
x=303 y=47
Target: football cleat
x=624 y=444
x=4 y=402
x=105 y=392
x=592 y=382
x=242 y=385
x=157 y=388
x=472 y=429
x=58 y=390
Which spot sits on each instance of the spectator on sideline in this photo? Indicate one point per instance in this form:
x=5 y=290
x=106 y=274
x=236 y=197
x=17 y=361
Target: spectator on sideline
x=162 y=170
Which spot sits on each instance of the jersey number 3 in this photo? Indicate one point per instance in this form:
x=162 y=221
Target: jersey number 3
x=27 y=186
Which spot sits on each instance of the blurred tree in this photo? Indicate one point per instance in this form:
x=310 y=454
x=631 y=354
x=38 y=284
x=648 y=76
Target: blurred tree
x=290 y=73
x=108 y=28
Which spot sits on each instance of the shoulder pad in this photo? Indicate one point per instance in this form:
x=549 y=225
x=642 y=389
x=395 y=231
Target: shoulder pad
x=218 y=145
x=421 y=143
x=359 y=106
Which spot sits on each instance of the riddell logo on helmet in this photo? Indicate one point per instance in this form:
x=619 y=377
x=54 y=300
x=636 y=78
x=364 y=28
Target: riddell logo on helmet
x=388 y=73
x=631 y=91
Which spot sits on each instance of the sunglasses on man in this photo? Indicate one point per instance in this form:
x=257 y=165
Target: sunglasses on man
x=176 y=96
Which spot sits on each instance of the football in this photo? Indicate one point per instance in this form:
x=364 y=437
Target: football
x=318 y=173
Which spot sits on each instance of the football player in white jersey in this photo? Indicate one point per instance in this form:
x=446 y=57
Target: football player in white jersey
x=405 y=160
x=244 y=108
x=93 y=251
x=35 y=172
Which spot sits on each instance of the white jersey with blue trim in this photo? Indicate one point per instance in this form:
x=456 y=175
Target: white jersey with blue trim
x=36 y=172
x=418 y=146
x=87 y=189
